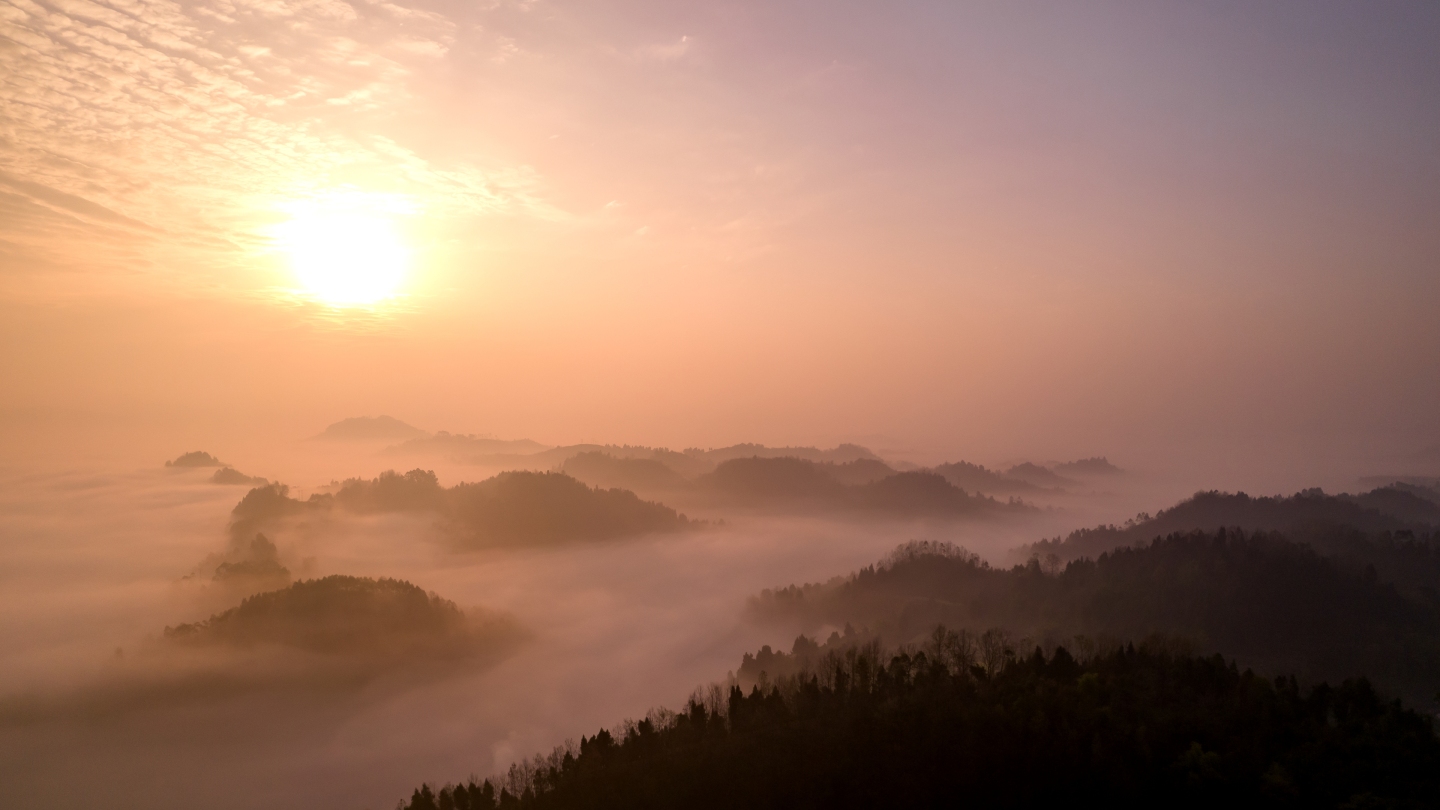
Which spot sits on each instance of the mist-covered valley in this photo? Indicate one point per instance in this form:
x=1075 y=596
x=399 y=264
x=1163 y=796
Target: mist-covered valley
x=337 y=627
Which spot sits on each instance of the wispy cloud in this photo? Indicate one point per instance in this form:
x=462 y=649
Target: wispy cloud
x=666 y=52
x=126 y=118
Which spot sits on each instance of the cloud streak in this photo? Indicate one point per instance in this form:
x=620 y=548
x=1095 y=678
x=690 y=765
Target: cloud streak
x=132 y=117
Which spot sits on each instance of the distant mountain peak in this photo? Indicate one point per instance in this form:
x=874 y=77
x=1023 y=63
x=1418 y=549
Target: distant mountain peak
x=1096 y=465
x=370 y=428
x=195 y=458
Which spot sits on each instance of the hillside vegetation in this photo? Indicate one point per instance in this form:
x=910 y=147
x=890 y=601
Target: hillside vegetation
x=1133 y=727
x=1270 y=603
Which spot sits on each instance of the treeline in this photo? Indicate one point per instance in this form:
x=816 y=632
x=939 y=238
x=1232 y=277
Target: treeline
x=1310 y=516
x=510 y=508
x=1394 y=529
x=1131 y=727
x=1272 y=604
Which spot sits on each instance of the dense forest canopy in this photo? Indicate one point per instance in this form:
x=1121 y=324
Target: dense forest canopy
x=1130 y=727
x=1271 y=603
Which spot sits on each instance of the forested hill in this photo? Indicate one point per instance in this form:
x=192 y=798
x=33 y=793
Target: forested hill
x=791 y=484
x=1310 y=516
x=342 y=615
x=510 y=508
x=1128 y=728
x=1270 y=603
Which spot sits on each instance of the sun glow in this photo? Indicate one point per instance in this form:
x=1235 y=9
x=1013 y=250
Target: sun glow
x=345 y=255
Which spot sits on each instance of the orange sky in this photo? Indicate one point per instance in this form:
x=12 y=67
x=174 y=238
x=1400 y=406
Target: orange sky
x=989 y=231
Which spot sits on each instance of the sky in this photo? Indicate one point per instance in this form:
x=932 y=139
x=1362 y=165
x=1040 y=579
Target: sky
x=1170 y=233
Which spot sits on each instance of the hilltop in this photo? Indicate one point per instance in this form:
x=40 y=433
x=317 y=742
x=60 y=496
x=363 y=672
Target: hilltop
x=195 y=458
x=370 y=428
x=347 y=616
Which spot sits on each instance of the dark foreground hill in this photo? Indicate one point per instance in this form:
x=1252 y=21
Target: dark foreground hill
x=509 y=509
x=1272 y=604
x=1129 y=728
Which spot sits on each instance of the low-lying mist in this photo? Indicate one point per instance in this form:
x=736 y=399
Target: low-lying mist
x=100 y=563
x=585 y=627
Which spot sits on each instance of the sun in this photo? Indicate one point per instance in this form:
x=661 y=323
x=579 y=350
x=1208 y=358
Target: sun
x=345 y=256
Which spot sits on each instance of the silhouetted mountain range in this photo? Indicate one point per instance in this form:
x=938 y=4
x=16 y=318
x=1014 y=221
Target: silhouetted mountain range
x=789 y=484
x=510 y=508
x=975 y=478
x=1309 y=516
x=464 y=447
x=1427 y=483
x=698 y=474
x=838 y=455
x=859 y=472
x=601 y=469
x=1270 y=603
x=1098 y=465
x=660 y=471
x=1039 y=476
x=527 y=454
x=1022 y=479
